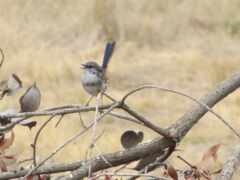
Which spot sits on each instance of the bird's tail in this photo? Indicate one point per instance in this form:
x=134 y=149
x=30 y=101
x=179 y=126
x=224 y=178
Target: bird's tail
x=108 y=54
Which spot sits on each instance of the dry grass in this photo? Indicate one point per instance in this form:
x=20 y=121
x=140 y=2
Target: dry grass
x=186 y=45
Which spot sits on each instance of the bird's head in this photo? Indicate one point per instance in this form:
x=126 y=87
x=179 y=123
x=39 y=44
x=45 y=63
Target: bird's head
x=91 y=65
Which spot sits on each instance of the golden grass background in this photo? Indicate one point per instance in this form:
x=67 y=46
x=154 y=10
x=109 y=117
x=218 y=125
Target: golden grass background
x=184 y=45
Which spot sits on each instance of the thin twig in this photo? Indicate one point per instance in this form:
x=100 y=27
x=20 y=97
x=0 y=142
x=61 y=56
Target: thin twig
x=25 y=160
x=81 y=121
x=179 y=129
x=109 y=97
x=185 y=95
x=3 y=57
x=59 y=120
x=44 y=113
x=63 y=107
x=146 y=122
x=94 y=130
x=186 y=162
x=101 y=156
x=140 y=118
x=121 y=168
x=129 y=174
x=120 y=116
x=114 y=105
x=34 y=145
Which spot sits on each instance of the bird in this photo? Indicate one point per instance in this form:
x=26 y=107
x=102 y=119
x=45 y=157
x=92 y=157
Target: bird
x=31 y=99
x=94 y=79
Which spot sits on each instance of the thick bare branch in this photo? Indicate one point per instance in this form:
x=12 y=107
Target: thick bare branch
x=184 y=95
x=71 y=140
x=195 y=113
x=177 y=130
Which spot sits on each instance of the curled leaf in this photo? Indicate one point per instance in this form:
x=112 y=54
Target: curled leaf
x=172 y=172
x=211 y=153
x=31 y=99
x=131 y=138
x=7 y=142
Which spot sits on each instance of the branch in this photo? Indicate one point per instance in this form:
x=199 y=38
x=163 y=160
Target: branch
x=177 y=130
x=231 y=165
x=31 y=172
x=184 y=95
x=34 y=145
x=3 y=57
x=184 y=124
x=53 y=112
x=146 y=122
x=115 y=159
x=131 y=175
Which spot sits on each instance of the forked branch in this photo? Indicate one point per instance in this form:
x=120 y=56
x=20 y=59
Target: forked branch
x=177 y=130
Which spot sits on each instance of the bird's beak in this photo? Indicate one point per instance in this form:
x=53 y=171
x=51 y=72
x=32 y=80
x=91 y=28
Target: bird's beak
x=83 y=66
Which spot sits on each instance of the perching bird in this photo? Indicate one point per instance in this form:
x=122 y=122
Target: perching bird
x=10 y=86
x=94 y=77
x=131 y=138
x=31 y=99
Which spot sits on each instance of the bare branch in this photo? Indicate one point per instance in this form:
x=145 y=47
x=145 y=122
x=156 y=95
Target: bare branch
x=69 y=141
x=184 y=95
x=34 y=145
x=145 y=121
x=120 y=116
x=3 y=57
x=45 y=113
x=129 y=175
x=177 y=130
x=195 y=113
x=231 y=165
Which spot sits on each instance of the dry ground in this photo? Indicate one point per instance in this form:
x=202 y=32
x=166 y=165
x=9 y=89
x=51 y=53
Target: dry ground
x=184 y=45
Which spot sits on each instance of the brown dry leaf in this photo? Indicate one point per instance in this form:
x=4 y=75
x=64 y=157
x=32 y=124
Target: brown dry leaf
x=107 y=177
x=8 y=160
x=172 y=172
x=209 y=160
x=3 y=166
x=211 y=153
x=36 y=177
x=7 y=142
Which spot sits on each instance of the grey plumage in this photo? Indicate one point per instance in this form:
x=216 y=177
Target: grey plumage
x=93 y=79
x=31 y=99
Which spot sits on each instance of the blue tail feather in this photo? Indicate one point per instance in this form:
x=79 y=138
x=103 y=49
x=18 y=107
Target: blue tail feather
x=108 y=54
